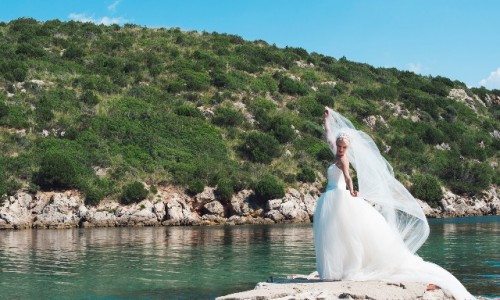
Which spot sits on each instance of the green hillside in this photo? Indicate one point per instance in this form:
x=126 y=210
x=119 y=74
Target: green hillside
x=97 y=108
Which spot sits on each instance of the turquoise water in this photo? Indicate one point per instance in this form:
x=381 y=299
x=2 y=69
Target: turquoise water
x=205 y=262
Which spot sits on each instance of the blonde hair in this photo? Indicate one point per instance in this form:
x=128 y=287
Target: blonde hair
x=344 y=137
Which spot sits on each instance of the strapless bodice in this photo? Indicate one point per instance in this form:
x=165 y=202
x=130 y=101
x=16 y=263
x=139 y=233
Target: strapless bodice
x=335 y=178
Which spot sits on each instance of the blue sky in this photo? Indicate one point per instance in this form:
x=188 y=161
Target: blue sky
x=459 y=39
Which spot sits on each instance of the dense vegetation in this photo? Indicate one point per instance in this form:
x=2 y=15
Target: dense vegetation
x=103 y=108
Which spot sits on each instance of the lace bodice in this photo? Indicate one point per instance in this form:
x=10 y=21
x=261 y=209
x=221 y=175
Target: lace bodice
x=335 y=178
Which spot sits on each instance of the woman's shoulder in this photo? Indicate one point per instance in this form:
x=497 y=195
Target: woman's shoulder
x=344 y=160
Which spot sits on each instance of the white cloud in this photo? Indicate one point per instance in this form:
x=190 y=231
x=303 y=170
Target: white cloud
x=91 y=19
x=81 y=18
x=112 y=7
x=493 y=81
x=415 y=68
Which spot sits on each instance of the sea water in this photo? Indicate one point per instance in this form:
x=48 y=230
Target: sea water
x=206 y=262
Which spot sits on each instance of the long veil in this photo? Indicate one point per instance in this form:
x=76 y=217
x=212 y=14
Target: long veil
x=378 y=185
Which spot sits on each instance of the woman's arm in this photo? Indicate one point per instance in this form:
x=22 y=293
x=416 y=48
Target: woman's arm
x=347 y=176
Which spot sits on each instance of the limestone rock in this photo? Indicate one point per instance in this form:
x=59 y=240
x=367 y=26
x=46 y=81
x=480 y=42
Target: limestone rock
x=15 y=211
x=207 y=195
x=178 y=212
x=461 y=95
x=214 y=208
x=313 y=289
x=159 y=210
x=241 y=204
x=60 y=212
x=275 y=215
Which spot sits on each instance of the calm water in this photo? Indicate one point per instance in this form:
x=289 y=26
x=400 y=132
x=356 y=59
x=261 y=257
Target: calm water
x=205 y=262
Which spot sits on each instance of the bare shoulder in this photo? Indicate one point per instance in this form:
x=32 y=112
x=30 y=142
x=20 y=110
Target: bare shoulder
x=344 y=161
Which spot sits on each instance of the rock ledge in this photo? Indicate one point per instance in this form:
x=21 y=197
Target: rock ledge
x=298 y=287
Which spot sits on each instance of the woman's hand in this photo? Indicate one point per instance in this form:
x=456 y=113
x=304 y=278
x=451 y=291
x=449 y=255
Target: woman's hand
x=354 y=193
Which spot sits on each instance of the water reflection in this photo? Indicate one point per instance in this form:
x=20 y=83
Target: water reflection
x=203 y=262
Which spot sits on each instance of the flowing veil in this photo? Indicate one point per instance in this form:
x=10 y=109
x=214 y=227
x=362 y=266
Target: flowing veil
x=378 y=185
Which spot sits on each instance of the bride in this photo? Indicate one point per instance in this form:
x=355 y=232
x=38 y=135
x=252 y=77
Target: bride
x=374 y=239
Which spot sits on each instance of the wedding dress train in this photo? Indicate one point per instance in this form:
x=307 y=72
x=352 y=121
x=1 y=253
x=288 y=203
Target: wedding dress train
x=353 y=241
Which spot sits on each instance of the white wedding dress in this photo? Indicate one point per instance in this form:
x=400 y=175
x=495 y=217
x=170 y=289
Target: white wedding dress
x=353 y=241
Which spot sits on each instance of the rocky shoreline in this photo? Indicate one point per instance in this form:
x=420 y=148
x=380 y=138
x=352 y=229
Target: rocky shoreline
x=300 y=287
x=172 y=206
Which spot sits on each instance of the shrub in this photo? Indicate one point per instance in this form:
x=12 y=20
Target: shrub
x=3 y=186
x=309 y=107
x=263 y=104
x=462 y=176
x=176 y=86
x=225 y=190
x=133 y=193
x=265 y=83
x=4 y=109
x=268 y=188
x=196 y=186
x=281 y=128
x=325 y=99
x=433 y=135
x=58 y=170
x=88 y=97
x=153 y=189
x=195 y=81
x=73 y=52
x=227 y=116
x=427 y=188
x=219 y=79
x=306 y=174
x=94 y=190
x=292 y=87
x=260 y=147
x=188 y=111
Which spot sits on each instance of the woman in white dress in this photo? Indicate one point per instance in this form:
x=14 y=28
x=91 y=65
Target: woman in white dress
x=373 y=234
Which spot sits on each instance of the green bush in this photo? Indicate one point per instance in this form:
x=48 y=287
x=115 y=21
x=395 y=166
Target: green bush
x=225 y=190
x=306 y=174
x=176 y=86
x=227 y=116
x=133 y=193
x=325 y=99
x=195 y=81
x=427 y=188
x=95 y=190
x=153 y=189
x=268 y=188
x=4 y=109
x=309 y=107
x=13 y=70
x=188 y=111
x=59 y=170
x=433 y=136
x=88 y=97
x=3 y=186
x=462 y=176
x=73 y=52
x=260 y=147
x=292 y=87
x=261 y=104
x=196 y=186
x=281 y=128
